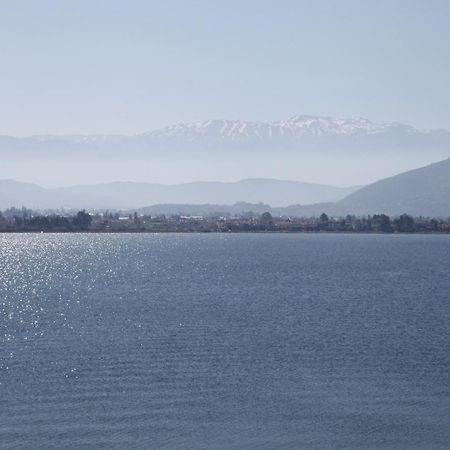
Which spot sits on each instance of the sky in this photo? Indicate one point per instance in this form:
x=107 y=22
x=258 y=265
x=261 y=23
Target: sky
x=125 y=67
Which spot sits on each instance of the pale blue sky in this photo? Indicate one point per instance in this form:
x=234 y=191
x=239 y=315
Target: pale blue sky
x=130 y=66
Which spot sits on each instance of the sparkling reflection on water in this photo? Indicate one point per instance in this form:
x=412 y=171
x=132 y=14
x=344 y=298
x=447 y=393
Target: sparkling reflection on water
x=224 y=341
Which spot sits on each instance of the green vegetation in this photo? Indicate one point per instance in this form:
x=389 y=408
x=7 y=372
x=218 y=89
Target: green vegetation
x=25 y=220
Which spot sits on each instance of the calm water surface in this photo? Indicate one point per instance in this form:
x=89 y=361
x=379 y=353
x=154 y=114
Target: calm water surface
x=224 y=341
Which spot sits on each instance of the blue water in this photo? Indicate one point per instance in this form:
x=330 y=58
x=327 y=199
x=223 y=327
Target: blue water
x=224 y=341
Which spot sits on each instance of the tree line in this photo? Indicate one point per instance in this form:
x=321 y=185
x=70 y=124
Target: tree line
x=24 y=220
x=20 y=220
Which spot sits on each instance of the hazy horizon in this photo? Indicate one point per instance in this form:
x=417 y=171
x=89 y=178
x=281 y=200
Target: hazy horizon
x=112 y=67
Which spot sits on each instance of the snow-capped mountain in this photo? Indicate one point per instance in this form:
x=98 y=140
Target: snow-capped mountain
x=300 y=133
x=319 y=126
x=294 y=127
x=327 y=150
x=233 y=130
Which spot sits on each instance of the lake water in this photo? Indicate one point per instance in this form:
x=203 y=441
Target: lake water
x=247 y=341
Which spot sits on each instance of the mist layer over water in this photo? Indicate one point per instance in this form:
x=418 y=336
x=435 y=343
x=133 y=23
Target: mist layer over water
x=224 y=341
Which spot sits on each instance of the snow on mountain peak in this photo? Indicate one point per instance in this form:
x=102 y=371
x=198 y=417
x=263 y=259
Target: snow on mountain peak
x=223 y=129
x=293 y=131
x=318 y=126
x=296 y=126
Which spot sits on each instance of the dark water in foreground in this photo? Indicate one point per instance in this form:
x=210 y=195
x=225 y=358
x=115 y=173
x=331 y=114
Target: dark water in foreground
x=224 y=341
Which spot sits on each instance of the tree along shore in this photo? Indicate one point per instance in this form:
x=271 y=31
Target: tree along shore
x=22 y=220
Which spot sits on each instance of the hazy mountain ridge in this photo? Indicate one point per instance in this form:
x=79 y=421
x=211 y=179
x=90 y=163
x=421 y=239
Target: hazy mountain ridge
x=294 y=127
x=424 y=191
x=419 y=192
x=334 y=151
x=127 y=195
x=300 y=132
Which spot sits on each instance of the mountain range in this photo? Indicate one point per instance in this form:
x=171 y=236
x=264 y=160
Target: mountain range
x=296 y=133
x=420 y=192
x=325 y=150
x=335 y=150
x=126 y=195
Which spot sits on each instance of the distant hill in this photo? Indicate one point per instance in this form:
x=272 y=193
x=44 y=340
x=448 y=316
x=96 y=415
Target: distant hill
x=273 y=192
x=128 y=195
x=16 y=193
x=419 y=192
x=424 y=191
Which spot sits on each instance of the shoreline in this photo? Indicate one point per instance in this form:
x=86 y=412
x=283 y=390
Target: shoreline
x=218 y=232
